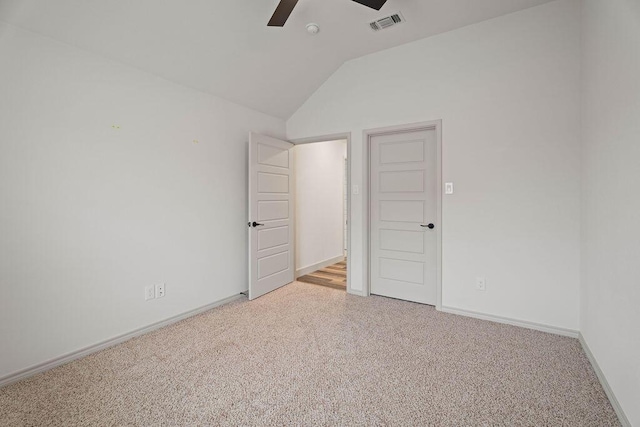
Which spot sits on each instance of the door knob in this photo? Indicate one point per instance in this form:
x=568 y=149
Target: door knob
x=256 y=224
x=430 y=226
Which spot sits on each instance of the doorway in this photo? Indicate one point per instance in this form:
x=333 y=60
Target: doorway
x=320 y=178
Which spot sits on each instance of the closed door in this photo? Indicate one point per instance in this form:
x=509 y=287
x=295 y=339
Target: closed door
x=270 y=214
x=403 y=215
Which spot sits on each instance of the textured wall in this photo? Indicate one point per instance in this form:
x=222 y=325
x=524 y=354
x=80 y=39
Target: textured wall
x=507 y=91
x=610 y=294
x=92 y=214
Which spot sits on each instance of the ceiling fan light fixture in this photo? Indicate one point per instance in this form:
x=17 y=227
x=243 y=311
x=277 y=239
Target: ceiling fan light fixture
x=313 y=28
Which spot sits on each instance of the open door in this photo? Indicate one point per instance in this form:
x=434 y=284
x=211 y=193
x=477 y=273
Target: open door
x=270 y=214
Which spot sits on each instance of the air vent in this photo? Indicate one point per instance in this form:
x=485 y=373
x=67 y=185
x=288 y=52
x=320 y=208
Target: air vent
x=386 y=22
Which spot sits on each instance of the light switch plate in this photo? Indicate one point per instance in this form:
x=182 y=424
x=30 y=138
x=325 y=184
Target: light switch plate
x=149 y=293
x=448 y=188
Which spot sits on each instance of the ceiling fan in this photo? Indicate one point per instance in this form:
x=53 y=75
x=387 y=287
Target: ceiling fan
x=285 y=8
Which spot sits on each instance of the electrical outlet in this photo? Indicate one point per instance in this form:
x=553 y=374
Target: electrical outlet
x=160 y=290
x=149 y=293
x=481 y=284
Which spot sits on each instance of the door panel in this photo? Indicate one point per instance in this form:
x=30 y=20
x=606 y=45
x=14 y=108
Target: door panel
x=270 y=205
x=404 y=181
x=270 y=265
x=401 y=210
x=403 y=199
x=402 y=241
x=269 y=210
x=273 y=156
x=401 y=270
x=273 y=183
x=272 y=237
x=401 y=151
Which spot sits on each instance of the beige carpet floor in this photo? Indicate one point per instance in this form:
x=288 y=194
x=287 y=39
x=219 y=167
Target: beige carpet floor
x=311 y=355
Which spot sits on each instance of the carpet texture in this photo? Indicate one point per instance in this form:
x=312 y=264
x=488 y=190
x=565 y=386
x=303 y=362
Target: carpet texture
x=311 y=355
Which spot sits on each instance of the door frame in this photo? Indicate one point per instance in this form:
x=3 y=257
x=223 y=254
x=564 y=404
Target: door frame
x=367 y=134
x=324 y=138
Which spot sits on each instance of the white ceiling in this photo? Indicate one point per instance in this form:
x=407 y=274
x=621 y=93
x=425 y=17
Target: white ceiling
x=225 y=48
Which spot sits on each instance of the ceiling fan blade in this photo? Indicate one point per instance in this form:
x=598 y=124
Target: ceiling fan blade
x=282 y=13
x=373 y=4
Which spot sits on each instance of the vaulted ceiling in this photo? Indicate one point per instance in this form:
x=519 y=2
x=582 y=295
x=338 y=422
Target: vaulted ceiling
x=224 y=47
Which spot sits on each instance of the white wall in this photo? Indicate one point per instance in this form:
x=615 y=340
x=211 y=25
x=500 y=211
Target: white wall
x=319 y=201
x=90 y=215
x=610 y=297
x=507 y=91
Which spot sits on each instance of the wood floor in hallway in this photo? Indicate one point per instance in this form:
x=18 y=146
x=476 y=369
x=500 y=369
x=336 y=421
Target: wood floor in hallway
x=333 y=276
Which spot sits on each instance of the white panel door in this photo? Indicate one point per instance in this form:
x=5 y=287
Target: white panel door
x=404 y=215
x=270 y=214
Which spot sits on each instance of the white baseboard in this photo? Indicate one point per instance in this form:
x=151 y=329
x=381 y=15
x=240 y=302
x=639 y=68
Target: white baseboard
x=605 y=384
x=357 y=292
x=69 y=357
x=318 y=266
x=521 y=323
